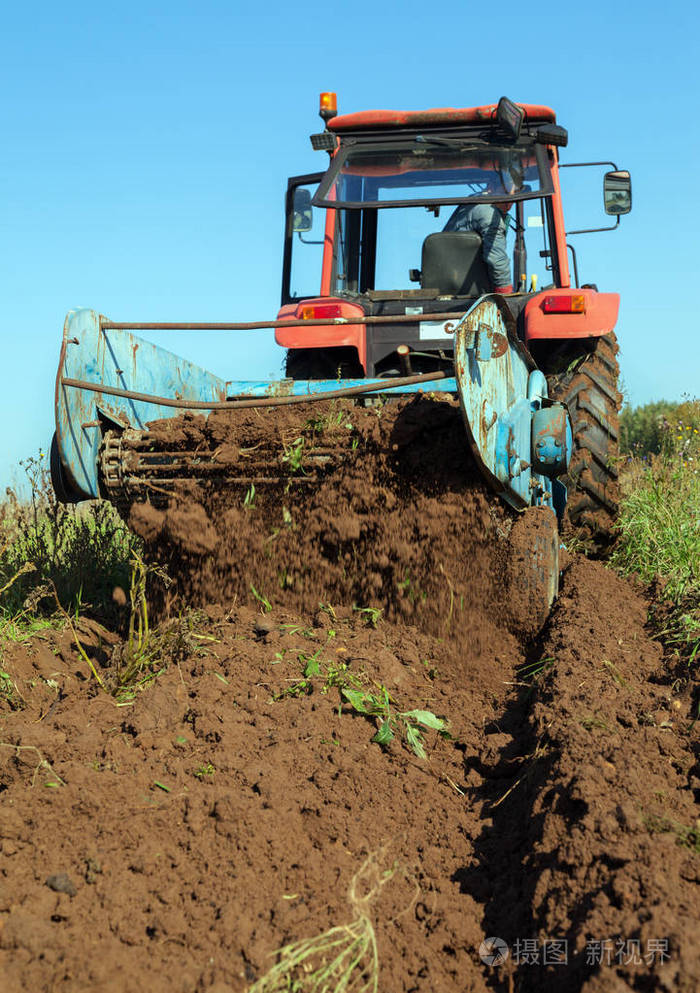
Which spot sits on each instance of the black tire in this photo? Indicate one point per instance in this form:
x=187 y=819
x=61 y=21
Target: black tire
x=590 y=391
x=63 y=490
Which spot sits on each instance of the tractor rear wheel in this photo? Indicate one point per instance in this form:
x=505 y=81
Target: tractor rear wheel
x=63 y=490
x=589 y=389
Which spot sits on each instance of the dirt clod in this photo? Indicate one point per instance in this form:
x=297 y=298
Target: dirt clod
x=61 y=882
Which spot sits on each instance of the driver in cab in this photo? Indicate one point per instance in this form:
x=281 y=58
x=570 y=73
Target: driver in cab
x=490 y=221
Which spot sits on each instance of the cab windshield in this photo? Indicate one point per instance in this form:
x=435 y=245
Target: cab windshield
x=429 y=169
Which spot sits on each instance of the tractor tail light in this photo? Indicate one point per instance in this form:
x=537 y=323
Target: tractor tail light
x=570 y=303
x=319 y=311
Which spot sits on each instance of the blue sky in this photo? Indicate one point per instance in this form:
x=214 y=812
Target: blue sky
x=146 y=146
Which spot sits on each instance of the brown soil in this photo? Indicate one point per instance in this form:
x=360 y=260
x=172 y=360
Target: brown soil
x=398 y=519
x=177 y=841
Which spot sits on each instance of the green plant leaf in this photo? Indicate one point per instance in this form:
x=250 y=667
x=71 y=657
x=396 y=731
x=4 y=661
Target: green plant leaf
x=312 y=667
x=385 y=734
x=357 y=700
x=426 y=718
x=414 y=741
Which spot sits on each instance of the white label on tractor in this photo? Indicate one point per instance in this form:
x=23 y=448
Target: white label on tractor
x=429 y=330
x=535 y=221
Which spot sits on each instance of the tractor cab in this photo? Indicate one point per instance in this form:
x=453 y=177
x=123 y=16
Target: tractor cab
x=394 y=227
x=422 y=213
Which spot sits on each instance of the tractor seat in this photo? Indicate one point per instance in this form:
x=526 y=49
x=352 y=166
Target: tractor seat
x=453 y=265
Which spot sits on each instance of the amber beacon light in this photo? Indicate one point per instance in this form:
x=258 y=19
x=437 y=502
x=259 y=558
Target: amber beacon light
x=328 y=106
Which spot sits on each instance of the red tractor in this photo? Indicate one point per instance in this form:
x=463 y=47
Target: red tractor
x=412 y=228
x=409 y=225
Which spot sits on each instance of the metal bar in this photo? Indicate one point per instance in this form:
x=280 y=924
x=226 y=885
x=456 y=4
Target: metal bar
x=134 y=482
x=164 y=469
x=575 y=261
x=610 y=227
x=578 y=165
x=382 y=386
x=207 y=463
x=106 y=325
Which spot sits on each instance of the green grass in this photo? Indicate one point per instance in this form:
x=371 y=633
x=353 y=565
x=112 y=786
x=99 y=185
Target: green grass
x=293 y=456
x=530 y=673
x=79 y=555
x=265 y=604
x=686 y=837
x=9 y=693
x=59 y=562
x=147 y=652
x=659 y=528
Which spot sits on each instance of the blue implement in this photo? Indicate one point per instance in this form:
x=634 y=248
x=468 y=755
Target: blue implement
x=110 y=379
x=500 y=391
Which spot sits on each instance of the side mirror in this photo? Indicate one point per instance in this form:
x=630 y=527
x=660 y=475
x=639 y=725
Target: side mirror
x=617 y=192
x=303 y=219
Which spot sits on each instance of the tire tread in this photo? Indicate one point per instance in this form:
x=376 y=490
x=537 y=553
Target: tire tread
x=591 y=394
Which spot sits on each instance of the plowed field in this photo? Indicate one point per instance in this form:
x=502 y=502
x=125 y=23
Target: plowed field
x=236 y=803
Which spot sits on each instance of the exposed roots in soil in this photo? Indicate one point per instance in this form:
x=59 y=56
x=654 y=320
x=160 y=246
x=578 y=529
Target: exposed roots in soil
x=343 y=958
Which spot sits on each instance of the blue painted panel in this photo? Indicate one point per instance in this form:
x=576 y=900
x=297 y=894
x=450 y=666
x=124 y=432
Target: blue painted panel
x=499 y=389
x=312 y=387
x=118 y=359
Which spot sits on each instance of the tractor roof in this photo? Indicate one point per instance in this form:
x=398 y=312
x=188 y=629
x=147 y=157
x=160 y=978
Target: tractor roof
x=436 y=117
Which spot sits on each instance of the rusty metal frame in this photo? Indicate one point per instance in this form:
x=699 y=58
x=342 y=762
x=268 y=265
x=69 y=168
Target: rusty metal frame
x=107 y=325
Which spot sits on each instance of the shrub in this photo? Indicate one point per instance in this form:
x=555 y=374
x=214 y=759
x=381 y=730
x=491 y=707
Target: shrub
x=651 y=428
x=82 y=551
x=659 y=527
